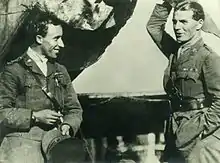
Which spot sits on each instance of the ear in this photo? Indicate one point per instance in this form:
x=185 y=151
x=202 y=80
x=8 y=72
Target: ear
x=39 y=39
x=200 y=24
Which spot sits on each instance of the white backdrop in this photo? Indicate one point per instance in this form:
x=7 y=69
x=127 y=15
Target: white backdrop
x=133 y=63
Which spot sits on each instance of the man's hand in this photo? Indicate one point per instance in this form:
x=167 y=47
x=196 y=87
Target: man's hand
x=65 y=129
x=47 y=116
x=173 y=3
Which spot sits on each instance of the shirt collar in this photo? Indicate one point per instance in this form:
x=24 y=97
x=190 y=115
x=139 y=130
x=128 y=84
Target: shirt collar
x=193 y=44
x=36 y=56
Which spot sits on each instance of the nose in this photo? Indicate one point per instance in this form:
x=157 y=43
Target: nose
x=177 y=25
x=60 y=43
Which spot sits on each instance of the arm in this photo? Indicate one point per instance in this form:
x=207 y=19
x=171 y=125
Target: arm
x=211 y=69
x=156 y=29
x=72 y=106
x=12 y=117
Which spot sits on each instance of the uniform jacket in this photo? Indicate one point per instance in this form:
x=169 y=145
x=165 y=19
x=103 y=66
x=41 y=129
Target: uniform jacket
x=195 y=75
x=21 y=94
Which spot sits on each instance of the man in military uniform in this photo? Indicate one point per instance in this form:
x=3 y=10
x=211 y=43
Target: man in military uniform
x=26 y=113
x=192 y=81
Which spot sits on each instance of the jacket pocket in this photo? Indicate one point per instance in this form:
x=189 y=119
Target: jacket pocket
x=188 y=74
x=181 y=75
x=189 y=130
x=193 y=75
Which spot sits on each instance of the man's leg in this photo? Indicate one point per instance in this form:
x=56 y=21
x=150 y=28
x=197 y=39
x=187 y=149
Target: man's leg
x=20 y=150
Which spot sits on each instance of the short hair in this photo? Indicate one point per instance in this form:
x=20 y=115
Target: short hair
x=38 y=24
x=198 y=11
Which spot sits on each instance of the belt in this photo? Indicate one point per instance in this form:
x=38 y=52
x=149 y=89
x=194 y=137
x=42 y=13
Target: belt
x=187 y=105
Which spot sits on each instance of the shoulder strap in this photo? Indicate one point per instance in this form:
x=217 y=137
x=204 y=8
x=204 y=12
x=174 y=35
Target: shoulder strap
x=21 y=62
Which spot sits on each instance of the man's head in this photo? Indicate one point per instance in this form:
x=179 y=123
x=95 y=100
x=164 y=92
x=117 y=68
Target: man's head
x=188 y=19
x=47 y=36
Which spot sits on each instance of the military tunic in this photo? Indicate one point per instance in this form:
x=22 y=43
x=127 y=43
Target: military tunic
x=21 y=94
x=192 y=81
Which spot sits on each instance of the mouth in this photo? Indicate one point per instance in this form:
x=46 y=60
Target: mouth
x=57 y=50
x=178 y=34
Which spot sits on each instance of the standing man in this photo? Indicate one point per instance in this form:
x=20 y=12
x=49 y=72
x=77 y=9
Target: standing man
x=26 y=113
x=192 y=81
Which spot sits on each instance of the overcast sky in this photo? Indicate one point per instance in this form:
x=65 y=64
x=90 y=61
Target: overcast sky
x=133 y=63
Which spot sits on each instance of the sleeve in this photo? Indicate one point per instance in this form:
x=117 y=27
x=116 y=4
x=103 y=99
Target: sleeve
x=156 y=29
x=211 y=69
x=72 y=106
x=10 y=116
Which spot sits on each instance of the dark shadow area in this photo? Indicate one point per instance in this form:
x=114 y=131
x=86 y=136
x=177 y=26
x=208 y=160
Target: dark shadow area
x=124 y=116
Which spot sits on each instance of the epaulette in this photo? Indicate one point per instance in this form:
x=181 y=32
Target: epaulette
x=15 y=60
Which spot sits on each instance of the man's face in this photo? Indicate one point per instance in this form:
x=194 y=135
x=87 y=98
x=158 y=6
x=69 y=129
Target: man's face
x=52 y=42
x=185 y=27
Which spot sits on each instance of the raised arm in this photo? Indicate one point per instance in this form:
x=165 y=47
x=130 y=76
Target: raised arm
x=156 y=29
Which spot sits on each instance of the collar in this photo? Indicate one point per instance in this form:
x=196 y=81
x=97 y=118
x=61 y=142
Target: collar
x=189 y=50
x=29 y=62
x=193 y=45
x=36 y=56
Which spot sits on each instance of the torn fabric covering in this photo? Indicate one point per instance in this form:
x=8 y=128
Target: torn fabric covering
x=82 y=14
x=210 y=25
x=86 y=19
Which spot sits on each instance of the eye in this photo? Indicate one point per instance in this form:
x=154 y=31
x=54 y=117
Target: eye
x=56 y=38
x=174 y=21
x=184 y=21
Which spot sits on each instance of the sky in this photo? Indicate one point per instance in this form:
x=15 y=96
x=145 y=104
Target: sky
x=133 y=63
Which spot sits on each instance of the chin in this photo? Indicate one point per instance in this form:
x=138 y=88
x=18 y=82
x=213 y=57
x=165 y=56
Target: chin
x=181 y=41
x=54 y=57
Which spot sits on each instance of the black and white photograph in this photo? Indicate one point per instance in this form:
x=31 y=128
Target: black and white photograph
x=109 y=81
